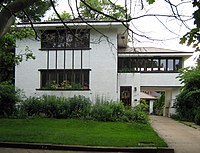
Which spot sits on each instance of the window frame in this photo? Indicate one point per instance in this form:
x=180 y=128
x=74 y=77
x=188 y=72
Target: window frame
x=64 y=32
x=60 y=83
x=142 y=64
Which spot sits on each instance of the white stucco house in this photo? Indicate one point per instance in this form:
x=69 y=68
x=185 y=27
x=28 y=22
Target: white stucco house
x=94 y=60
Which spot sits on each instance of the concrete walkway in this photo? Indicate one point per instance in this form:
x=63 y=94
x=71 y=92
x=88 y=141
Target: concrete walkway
x=180 y=137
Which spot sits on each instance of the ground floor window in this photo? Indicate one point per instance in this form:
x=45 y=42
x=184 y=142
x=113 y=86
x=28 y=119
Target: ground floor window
x=68 y=79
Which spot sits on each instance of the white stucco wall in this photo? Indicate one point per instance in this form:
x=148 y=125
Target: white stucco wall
x=130 y=79
x=152 y=81
x=159 y=79
x=101 y=59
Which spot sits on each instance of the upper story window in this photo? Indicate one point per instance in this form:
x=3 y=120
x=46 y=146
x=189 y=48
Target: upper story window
x=132 y=64
x=65 y=39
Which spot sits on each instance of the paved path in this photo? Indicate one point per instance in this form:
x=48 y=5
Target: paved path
x=182 y=138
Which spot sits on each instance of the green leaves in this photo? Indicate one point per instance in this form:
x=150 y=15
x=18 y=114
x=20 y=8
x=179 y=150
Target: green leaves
x=110 y=11
x=150 y=1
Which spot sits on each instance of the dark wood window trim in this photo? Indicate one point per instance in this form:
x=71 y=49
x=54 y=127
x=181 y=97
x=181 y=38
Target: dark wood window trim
x=66 y=49
x=64 y=79
x=65 y=39
x=145 y=65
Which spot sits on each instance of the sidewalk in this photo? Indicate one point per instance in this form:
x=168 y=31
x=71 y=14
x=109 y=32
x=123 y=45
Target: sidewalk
x=180 y=137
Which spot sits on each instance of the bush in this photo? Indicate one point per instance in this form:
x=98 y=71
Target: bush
x=32 y=106
x=197 y=116
x=188 y=101
x=8 y=99
x=135 y=115
x=142 y=106
x=102 y=112
x=57 y=107
x=81 y=107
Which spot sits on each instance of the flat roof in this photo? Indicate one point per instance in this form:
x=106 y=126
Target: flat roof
x=151 y=51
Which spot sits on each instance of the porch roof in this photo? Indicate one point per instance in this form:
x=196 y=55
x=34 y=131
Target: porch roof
x=146 y=96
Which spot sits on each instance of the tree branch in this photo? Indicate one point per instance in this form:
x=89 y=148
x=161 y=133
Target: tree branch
x=7 y=13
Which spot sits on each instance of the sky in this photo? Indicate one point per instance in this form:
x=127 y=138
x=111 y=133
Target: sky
x=164 y=32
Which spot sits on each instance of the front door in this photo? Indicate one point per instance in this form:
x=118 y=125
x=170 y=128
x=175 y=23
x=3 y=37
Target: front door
x=125 y=95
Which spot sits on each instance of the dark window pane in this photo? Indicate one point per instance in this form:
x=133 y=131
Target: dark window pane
x=131 y=64
x=61 y=39
x=65 y=38
x=69 y=39
x=155 y=64
x=178 y=64
x=48 y=39
x=82 y=39
x=163 y=65
x=148 y=65
x=65 y=79
x=170 y=66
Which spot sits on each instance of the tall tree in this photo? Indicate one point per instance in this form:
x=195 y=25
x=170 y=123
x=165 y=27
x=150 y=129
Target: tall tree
x=91 y=9
x=16 y=9
x=188 y=101
x=21 y=9
x=193 y=36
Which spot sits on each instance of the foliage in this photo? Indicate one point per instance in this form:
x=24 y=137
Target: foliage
x=8 y=59
x=150 y=1
x=115 y=11
x=64 y=16
x=197 y=116
x=82 y=108
x=102 y=111
x=64 y=85
x=142 y=106
x=193 y=36
x=8 y=99
x=79 y=106
x=188 y=101
x=35 y=11
x=57 y=107
x=159 y=105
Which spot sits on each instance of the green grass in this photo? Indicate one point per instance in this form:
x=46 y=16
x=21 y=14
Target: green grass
x=78 y=132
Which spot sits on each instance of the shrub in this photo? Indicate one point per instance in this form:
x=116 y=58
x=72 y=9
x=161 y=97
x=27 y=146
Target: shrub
x=188 y=100
x=32 y=106
x=197 y=116
x=57 y=107
x=79 y=106
x=159 y=105
x=52 y=106
x=107 y=110
x=8 y=99
x=135 y=115
x=117 y=110
x=102 y=112
x=142 y=106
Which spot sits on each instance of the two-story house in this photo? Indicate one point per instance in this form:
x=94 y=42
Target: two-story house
x=93 y=59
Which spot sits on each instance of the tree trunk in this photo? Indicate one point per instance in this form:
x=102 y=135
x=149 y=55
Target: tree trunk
x=7 y=12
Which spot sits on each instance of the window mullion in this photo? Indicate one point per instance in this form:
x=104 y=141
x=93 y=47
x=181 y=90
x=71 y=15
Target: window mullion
x=48 y=77
x=81 y=78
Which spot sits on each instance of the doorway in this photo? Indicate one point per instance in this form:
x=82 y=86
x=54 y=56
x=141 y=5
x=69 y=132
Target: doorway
x=125 y=95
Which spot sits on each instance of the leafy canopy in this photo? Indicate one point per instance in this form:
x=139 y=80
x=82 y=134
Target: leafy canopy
x=193 y=37
x=106 y=7
x=188 y=101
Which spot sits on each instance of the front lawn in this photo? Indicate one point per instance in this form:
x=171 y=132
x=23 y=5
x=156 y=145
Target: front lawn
x=78 y=132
